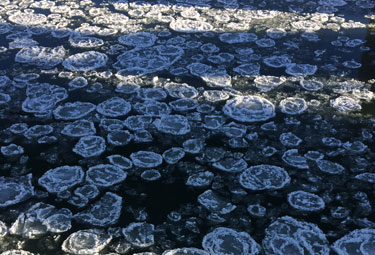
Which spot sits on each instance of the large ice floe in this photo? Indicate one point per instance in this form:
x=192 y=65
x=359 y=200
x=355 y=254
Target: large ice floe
x=61 y=178
x=357 y=242
x=264 y=177
x=73 y=111
x=15 y=190
x=86 y=61
x=249 y=108
x=146 y=159
x=287 y=235
x=86 y=242
x=225 y=241
x=43 y=57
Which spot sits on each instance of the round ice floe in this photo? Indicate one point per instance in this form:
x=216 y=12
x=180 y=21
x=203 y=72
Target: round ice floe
x=15 y=190
x=230 y=165
x=352 y=64
x=329 y=167
x=306 y=25
x=16 y=252
x=201 y=179
x=226 y=241
x=86 y=242
x=38 y=131
x=183 y=104
x=357 y=242
x=90 y=146
x=119 y=137
x=85 y=42
x=193 y=146
x=79 y=128
x=215 y=203
x=150 y=175
x=85 y=61
x=4 y=98
x=248 y=69
x=180 y=90
x=238 y=37
x=311 y=84
x=12 y=150
x=215 y=95
x=293 y=105
x=305 y=201
x=41 y=56
x=264 y=177
x=277 y=61
x=292 y=157
x=366 y=177
x=249 y=108
x=146 y=159
x=185 y=251
x=345 y=104
x=265 y=42
x=190 y=26
x=28 y=18
x=300 y=69
x=152 y=108
x=276 y=33
x=290 y=140
x=257 y=210
x=290 y=236
x=78 y=82
x=267 y=82
x=114 y=107
x=105 y=176
x=139 y=234
x=73 y=111
x=140 y=39
x=172 y=124
x=104 y=212
x=173 y=155
x=61 y=178
x=156 y=94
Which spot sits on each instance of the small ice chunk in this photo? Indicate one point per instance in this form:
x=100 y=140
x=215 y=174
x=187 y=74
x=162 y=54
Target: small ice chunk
x=314 y=155
x=345 y=104
x=79 y=128
x=139 y=234
x=86 y=61
x=214 y=203
x=4 y=98
x=105 y=175
x=120 y=161
x=201 y=179
x=193 y=146
x=88 y=191
x=257 y=210
x=62 y=178
x=355 y=147
x=173 y=155
x=265 y=42
x=352 y=64
x=230 y=165
x=305 y=201
x=12 y=150
x=15 y=190
x=152 y=108
x=90 y=146
x=38 y=131
x=225 y=241
x=249 y=108
x=156 y=94
x=264 y=177
x=184 y=104
x=290 y=140
x=293 y=158
x=137 y=122
x=215 y=95
x=16 y=252
x=18 y=128
x=139 y=39
x=73 y=111
x=300 y=69
x=150 y=175
x=86 y=242
x=104 y=212
x=276 y=33
x=85 y=42
x=330 y=167
x=172 y=124
x=366 y=177
x=146 y=159
x=293 y=105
